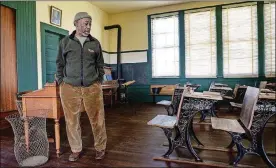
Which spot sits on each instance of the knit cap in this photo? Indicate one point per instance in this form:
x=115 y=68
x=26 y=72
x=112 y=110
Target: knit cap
x=81 y=15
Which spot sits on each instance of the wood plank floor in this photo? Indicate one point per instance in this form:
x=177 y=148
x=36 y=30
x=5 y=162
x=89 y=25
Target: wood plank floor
x=132 y=143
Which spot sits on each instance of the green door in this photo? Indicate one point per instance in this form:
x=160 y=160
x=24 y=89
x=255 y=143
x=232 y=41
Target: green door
x=51 y=50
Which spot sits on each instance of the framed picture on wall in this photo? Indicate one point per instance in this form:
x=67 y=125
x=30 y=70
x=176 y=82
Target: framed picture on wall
x=55 y=16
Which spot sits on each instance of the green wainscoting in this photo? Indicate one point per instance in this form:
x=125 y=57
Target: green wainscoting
x=26 y=49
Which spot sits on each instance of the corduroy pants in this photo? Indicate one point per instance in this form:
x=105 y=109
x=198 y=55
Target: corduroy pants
x=72 y=98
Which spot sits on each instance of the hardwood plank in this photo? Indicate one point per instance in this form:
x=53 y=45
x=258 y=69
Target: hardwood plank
x=132 y=143
x=204 y=163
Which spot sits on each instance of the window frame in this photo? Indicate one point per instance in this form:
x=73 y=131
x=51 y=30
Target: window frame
x=219 y=57
x=237 y=5
x=205 y=9
x=264 y=44
x=162 y=15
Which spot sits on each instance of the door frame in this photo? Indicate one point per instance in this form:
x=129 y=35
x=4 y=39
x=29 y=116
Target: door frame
x=43 y=28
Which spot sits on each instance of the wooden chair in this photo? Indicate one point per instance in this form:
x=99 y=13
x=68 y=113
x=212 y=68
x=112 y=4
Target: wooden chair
x=172 y=106
x=169 y=124
x=262 y=84
x=233 y=96
x=239 y=129
x=211 y=85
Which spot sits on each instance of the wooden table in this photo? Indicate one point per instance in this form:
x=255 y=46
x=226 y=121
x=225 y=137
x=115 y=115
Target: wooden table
x=43 y=103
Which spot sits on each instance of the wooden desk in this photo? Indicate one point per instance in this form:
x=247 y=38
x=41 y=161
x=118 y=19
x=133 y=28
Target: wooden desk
x=220 y=85
x=270 y=96
x=124 y=91
x=167 y=90
x=267 y=91
x=110 y=89
x=43 y=103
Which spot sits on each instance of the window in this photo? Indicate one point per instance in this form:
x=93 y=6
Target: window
x=240 y=40
x=165 y=45
x=200 y=43
x=269 y=27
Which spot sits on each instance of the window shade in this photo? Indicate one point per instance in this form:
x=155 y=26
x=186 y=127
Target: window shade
x=200 y=43
x=165 y=45
x=269 y=27
x=240 y=41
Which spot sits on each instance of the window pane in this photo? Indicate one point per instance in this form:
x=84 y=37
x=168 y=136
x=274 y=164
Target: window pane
x=165 y=62
x=200 y=43
x=269 y=25
x=240 y=41
x=165 y=46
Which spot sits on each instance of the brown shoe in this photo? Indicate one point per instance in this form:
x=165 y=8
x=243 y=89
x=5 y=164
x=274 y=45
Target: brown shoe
x=100 y=154
x=74 y=156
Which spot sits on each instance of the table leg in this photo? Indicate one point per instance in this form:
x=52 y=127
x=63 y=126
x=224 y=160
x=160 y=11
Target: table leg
x=111 y=99
x=126 y=96
x=26 y=128
x=57 y=137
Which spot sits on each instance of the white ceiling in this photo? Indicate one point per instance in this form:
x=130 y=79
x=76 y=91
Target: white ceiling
x=113 y=7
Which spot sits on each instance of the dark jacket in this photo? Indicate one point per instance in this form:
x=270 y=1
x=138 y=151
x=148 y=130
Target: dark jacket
x=77 y=65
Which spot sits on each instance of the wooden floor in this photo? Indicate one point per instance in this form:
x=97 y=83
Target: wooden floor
x=132 y=143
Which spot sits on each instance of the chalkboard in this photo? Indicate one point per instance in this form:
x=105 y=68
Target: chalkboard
x=137 y=72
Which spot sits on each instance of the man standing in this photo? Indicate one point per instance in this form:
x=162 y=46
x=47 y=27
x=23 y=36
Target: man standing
x=80 y=74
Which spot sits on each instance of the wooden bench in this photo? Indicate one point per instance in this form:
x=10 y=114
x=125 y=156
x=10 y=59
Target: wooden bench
x=167 y=90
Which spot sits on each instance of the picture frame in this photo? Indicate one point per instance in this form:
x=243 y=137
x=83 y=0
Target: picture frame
x=55 y=16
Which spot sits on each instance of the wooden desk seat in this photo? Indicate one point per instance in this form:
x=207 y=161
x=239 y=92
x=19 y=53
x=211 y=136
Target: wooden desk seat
x=164 y=102
x=238 y=128
x=226 y=125
x=237 y=105
x=163 y=121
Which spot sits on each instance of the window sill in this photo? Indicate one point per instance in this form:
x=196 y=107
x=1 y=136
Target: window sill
x=166 y=77
x=270 y=76
x=240 y=77
x=201 y=77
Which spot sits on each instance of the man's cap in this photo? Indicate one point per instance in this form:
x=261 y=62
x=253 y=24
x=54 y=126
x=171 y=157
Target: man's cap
x=81 y=15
